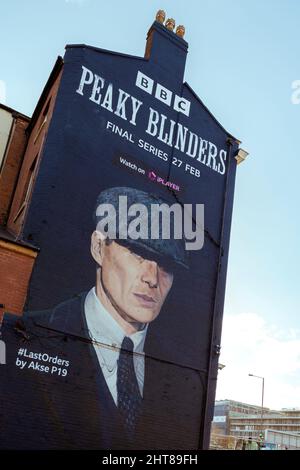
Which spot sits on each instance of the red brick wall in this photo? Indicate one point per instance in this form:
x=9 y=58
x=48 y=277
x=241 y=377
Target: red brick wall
x=16 y=263
x=33 y=150
x=12 y=165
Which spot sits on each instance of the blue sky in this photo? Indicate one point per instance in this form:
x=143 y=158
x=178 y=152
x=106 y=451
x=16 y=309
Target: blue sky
x=243 y=57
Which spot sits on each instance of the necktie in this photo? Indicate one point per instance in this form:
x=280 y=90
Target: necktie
x=129 y=397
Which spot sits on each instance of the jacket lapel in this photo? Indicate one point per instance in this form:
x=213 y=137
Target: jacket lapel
x=81 y=409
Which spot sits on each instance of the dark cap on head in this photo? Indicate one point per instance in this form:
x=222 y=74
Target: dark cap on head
x=170 y=252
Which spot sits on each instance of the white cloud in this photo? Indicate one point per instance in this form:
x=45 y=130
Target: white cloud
x=249 y=345
x=2 y=92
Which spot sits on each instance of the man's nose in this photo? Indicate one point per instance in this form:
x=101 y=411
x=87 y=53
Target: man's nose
x=150 y=273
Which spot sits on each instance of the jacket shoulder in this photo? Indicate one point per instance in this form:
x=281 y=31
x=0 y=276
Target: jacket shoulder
x=64 y=317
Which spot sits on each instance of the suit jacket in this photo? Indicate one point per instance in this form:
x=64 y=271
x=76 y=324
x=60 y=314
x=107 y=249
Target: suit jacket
x=69 y=406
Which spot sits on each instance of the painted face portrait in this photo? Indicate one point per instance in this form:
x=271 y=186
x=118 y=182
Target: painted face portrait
x=130 y=286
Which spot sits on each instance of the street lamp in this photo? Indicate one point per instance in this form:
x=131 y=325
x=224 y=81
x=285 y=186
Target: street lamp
x=262 y=398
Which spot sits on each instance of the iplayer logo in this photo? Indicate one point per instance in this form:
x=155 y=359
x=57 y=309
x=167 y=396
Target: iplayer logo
x=158 y=179
x=152 y=176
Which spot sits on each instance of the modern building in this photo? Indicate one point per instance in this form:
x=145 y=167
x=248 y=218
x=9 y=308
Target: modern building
x=282 y=440
x=253 y=425
x=240 y=422
x=225 y=410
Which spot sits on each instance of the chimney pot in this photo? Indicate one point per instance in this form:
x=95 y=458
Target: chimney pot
x=160 y=16
x=170 y=24
x=180 y=31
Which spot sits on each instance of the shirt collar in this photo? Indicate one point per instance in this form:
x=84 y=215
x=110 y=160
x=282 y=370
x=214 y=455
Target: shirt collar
x=104 y=329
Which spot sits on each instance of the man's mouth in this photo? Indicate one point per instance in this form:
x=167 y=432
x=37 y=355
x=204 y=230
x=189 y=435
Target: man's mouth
x=144 y=298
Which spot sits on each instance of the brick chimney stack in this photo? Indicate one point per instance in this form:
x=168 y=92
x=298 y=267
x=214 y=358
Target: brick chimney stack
x=165 y=48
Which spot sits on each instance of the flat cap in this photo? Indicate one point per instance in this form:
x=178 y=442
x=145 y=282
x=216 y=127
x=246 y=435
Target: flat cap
x=143 y=222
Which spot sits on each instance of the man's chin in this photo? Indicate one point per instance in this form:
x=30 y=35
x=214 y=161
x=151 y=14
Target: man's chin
x=143 y=316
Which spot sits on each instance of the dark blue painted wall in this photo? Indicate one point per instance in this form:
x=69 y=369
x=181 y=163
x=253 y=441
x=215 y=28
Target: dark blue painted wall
x=78 y=162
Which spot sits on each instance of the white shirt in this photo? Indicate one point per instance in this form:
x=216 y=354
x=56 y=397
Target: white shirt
x=107 y=336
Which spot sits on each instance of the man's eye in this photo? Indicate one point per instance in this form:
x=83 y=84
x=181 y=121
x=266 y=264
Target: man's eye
x=166 y=270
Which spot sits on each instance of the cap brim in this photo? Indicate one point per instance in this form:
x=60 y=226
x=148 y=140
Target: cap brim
x=147 y=252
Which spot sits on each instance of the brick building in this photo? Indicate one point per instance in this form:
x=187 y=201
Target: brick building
x=54 y=166
x=21 y=146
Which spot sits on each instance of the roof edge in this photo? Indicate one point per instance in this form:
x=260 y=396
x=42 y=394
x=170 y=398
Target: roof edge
x=14 y=112
x=129 y=56
x=52 y=77
x=7 y=236
x=210 y=113
x=105 y=51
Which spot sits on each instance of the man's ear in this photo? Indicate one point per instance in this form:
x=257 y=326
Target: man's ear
x=97 y=244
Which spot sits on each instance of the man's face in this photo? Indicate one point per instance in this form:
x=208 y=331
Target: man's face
x=136 y=287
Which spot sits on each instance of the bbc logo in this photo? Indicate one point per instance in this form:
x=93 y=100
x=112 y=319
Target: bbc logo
x=163 y=94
